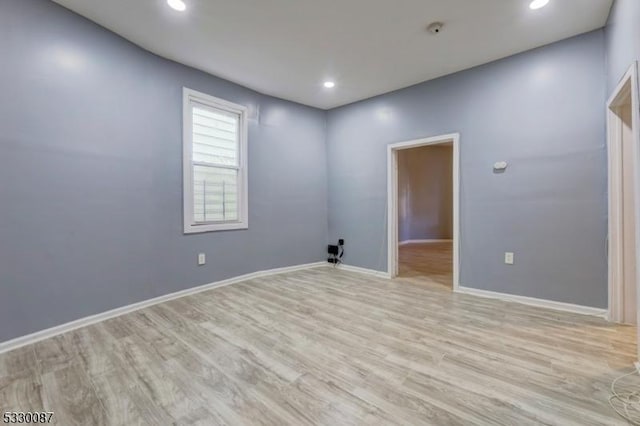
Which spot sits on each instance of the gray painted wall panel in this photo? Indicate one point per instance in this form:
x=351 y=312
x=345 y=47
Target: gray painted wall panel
x=622 y=36
x=542 y=111
x=91 y=174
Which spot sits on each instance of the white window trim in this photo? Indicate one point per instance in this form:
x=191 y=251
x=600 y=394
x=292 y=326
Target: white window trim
x=190 y=226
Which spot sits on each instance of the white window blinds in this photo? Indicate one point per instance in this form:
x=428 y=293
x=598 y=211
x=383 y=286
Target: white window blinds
x=215 y=160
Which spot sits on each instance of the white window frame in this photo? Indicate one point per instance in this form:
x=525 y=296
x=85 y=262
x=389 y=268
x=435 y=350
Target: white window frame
x=190 y=225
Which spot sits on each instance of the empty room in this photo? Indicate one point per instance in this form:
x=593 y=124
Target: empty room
x=319 y=213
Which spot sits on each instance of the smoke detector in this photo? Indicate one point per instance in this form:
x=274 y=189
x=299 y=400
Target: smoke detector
x=435 y=27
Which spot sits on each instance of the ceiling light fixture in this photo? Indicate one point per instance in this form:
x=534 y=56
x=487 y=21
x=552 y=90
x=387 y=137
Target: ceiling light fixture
x=329 y=84
x=537 y=4
x=177 y=5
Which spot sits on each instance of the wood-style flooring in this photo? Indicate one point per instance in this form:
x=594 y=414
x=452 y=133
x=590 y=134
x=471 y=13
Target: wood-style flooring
x=326 y=347
x=432 y=261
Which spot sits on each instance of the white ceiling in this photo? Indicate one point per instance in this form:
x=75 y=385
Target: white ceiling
x=287 y=48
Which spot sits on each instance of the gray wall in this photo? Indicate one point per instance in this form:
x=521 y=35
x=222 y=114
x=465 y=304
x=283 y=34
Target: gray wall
x=542 y=111
x=425 y=193
x=622 y=36
x=91 y=181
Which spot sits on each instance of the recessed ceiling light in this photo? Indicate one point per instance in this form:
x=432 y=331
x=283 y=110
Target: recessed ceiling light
x=537 y=4
x=329 y=84
x=177 y=5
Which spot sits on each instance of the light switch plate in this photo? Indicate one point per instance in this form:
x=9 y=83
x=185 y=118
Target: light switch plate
x=202 y=259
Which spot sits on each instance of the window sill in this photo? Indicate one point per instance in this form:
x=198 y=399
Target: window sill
x=214 y=227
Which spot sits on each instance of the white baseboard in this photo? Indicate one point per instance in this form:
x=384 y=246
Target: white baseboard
x=83 y=322
x=532 y=301
x=405 y=242
x=360 y=270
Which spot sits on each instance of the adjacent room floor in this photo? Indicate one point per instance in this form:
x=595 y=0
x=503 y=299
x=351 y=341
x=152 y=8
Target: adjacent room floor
x=433 y=262
x=325 y=346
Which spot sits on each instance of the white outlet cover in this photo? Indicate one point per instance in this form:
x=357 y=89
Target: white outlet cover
x=508 y=258
x=202 y=259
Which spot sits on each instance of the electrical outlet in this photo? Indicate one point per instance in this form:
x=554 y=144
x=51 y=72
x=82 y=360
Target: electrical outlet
x=508 y=258
x=202 y=259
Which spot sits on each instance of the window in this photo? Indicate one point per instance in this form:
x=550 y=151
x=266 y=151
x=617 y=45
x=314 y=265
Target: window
x=214 y=163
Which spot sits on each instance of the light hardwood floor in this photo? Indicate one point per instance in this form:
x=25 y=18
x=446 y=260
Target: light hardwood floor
x=431 y=261
x=326 y=347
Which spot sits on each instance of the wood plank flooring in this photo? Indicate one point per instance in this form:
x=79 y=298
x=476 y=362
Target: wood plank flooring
x=326 y=347
x=432 y=261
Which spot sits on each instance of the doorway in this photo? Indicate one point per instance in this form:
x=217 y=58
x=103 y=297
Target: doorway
x=622 y=144
x=423 y=233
